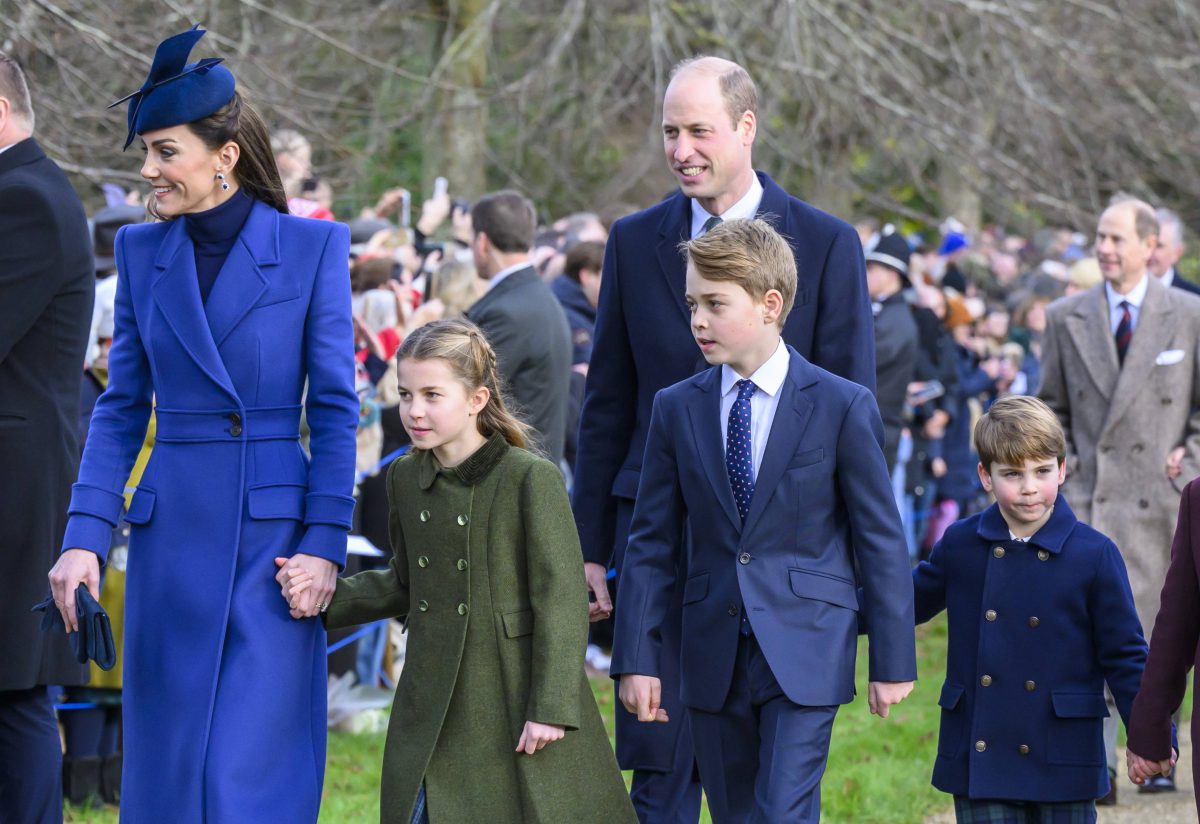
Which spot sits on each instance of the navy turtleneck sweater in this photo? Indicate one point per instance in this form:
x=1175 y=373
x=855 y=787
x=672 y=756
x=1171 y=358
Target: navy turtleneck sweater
x=213 y=233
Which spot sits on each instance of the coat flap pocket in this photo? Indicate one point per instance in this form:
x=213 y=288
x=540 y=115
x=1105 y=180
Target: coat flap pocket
x=517 y=624
x=277 y=501
x=807 y=458
x=140 y=506
x=821 y=587
x=951 y=695
x=696 y=588
x=1079 y=704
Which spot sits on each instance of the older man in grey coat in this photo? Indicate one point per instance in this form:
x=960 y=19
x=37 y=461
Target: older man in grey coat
x=1119 y=368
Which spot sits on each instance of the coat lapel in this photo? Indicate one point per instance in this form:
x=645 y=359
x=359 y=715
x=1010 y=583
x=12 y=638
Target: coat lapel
x=673 y=230
x=1089 y=326
x=710 y=443
x=1155 y=326
x=177 y=294
x=241 y=281
x=791 y=419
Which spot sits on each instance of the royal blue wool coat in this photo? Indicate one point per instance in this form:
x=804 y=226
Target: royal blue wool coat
x=1036 y=630
x=224 y=692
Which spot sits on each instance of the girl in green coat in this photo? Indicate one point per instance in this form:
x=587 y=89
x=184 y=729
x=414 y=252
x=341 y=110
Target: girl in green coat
x=494 y=719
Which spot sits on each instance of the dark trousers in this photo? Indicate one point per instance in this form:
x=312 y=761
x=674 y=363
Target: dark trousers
x=761 y=756
x=666 y=786
x=30 y=759
x=971 y=811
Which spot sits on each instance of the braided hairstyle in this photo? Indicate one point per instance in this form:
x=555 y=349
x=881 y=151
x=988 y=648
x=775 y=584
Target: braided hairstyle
x=473 y=362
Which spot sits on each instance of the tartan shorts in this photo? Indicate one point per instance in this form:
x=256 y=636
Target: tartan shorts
x=971 y=811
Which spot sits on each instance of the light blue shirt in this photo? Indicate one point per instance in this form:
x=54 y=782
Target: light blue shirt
x=1134 y=298
x=503 y=273
x=747 y=207
x=769 y=379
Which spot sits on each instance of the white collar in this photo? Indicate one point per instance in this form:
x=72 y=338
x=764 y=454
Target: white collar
x=769 y=377
x=1135 y=296
x=747 y=207
x=503 y=273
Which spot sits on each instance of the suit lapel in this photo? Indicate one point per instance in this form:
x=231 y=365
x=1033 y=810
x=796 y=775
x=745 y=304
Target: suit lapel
x=241 y=281
x=177 y=294
x=1151 y=336
x=710 y=443
x=1090 y=327
x=786 y=432
x=673 y=230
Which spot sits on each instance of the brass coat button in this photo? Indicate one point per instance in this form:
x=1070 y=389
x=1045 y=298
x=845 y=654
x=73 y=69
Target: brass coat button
x=1023 y=749
x=462 y=520
x=744 y=558
x=462 y=565
x=423 y=606
x=423 y=562
x=1034 y=621
x=1030 y=686
x=424 y=515
x=986 y=681
x=990 y=615
x=462 y=609
x=980 y=746
x=1043 y=555
x=998 y=551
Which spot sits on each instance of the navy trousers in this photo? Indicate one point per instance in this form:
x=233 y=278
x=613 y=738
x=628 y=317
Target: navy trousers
x=666 y=786
x=761 y=757
x=30 y=759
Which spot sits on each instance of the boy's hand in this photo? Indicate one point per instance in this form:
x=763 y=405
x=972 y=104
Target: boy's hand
x=1141 y=769
x=642 y=696
x=535 y=736
x=883 y=694
x=597 y=581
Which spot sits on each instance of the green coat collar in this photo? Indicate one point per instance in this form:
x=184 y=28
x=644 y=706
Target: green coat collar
x=471 y=471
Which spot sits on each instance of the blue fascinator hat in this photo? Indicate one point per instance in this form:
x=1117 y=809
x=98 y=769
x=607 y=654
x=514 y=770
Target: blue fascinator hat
x=176 y=91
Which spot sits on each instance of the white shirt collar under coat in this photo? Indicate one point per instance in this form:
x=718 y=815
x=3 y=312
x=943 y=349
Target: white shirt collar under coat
x=769 y=377
x=747 y=207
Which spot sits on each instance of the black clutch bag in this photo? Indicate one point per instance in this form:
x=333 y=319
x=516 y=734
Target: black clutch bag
x=94 y=639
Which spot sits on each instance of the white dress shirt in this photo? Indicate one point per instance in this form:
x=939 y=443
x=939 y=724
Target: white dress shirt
x=747 y=207
x=1168 y=278
x=769 y=379
x=503 y=273
x=1134 y=298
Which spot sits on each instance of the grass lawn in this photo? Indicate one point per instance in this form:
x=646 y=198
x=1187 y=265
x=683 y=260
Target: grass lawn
x=878 y=770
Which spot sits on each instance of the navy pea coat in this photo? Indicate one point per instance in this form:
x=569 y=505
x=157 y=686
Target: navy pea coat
x=1036 y=630
x=224 y=691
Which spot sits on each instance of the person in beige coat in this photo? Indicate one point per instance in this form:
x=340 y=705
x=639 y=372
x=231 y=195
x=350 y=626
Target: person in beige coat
x=1119 y=368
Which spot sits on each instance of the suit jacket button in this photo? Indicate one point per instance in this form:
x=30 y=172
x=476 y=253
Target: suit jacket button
x=998 y=551
x=423 y=606
x=1043 y=555
x=1030 y=686
x=424 y=515
x=980 y=746
x=423 y=561
x=462 y=520
x=985 y=681
x=462 y=565
x=990 y=615
x=1023 y=749
x=733 y=610
x=1034 y=621
x=462 y=609
x=744 y=558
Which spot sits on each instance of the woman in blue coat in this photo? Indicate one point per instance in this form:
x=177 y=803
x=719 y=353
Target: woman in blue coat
x=226 y=311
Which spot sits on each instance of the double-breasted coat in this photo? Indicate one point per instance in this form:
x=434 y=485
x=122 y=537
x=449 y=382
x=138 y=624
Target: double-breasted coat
x=224 y=692
x=486 y=567
x=1036 y=630
x=1122 y=421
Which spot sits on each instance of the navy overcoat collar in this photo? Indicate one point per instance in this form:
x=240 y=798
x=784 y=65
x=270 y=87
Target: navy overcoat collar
x=1051 y=537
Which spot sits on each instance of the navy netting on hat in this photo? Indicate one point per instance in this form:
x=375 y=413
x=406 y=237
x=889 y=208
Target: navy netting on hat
x=176 y=91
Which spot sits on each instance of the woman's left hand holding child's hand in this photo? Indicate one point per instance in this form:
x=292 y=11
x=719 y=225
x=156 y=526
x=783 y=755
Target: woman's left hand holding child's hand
x=535 y=736
x=307 y=583
x=1141 y=769
x=883 y=694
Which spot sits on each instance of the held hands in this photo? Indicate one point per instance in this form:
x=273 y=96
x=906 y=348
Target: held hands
x=642 y=696
x=1141 y=769
x=74 y=567
x=1175 y=462
x=307 y=583
x=535 y=736
x=597 y=581
x=883 y=694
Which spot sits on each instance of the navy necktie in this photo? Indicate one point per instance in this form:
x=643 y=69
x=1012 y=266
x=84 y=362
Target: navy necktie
x=709 y=224
x=739 y=453
x=1124 y=332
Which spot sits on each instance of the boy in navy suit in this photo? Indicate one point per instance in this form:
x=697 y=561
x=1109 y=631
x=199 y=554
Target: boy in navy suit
x=773 y=469
x=1041 y=618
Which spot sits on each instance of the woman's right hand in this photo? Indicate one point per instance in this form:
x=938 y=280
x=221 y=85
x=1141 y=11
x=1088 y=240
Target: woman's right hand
x=74 y=567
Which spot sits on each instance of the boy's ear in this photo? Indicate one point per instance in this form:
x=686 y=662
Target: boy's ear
x=985 y=478
x=1062 y=471
x=773 y=304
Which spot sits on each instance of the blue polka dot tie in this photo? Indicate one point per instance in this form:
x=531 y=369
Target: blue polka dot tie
x=739 y=454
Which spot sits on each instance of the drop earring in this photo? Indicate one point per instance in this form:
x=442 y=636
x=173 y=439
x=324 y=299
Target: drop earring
x=224 y=184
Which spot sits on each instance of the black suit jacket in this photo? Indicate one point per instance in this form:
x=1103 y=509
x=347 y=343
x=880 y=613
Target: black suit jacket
x=47 y=285
x=528 y=329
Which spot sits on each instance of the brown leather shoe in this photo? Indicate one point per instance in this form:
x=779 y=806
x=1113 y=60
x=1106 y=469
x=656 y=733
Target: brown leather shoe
x=1109 y=800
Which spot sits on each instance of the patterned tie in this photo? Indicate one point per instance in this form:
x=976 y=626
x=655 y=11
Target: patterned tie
x=708 y=224
x=1124 y=332
x=739 y=457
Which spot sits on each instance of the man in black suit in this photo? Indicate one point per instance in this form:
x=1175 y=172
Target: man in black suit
x=46 y=290
x=1169 y=250
x=521 y=317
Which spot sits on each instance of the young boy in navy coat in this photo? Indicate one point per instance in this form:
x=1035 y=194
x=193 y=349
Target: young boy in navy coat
x=773 y=469
x=1041 y=618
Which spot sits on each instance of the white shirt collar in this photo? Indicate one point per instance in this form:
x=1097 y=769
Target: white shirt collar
x=1135 y=296
x=4 y=149
x=747 y=207
x=1012 y=536
x=769 y=377
x=503 y=273
x=1168 y=278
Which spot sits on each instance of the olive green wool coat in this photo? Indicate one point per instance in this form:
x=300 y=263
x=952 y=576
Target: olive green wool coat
x=487 y=569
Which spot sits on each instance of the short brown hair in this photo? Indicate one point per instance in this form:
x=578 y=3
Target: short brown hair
x=15 y=89
x=587 y=254
x=749 y=253
x=1145 y=221
x=1018 y=428
x=738 y=91
x=507 y=218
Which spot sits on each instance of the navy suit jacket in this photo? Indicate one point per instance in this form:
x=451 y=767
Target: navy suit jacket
x=644 y=343
x=822 y=522
x=1036 y=630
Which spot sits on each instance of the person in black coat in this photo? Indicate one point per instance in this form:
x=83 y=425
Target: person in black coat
x=46 y=290
x=521 y=318
x=895 y=336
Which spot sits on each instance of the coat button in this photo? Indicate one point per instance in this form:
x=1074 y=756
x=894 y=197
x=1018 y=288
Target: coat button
x=1166 y=401
x=462 y=565
x=423 y=606
x=744 y=558
x=1023 y=749
x=1137 y=448
x=980 y=746
x=1106 y=448
x=1100 y=499
x=1034 y=621
x=462 y=520
x=424 y=515
x=998 y=551
x=1043 y=555
x=985 y=681
x=423 y=561
x=1144 y=504
x=990 y=615
x=733 y=610
x=236 y=420
x=1030 y=686
x=462 y=609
